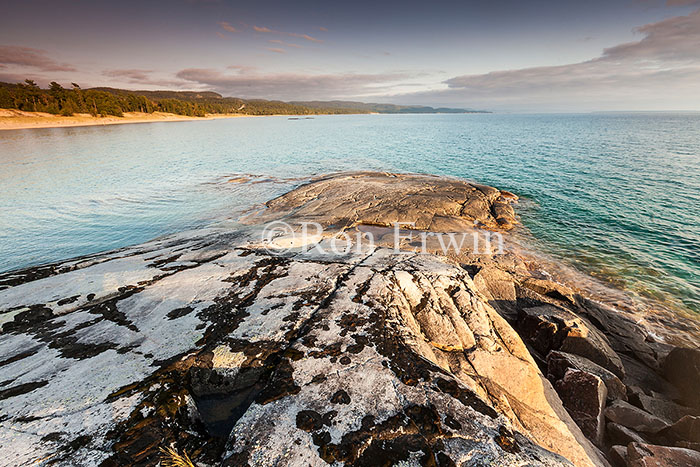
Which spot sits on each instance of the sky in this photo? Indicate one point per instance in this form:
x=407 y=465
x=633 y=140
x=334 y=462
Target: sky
x=500 y=55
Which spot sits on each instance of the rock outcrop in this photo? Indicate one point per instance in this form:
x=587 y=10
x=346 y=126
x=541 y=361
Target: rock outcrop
x=239 y=348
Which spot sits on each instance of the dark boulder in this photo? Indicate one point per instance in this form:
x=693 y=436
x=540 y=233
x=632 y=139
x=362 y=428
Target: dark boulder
x=618 y=434
x=583 y=395
x=650 y=455
x=559 y=362
x=667 y=410
x=682 y=368
x=618 y=456
x=627 y=415
x=686 y=429
x=549 y=327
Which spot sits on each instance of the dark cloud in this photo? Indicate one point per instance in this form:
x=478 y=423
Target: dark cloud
x=290 y=86
x=29 y=57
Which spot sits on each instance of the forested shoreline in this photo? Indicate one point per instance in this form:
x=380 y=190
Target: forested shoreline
x=59 y=100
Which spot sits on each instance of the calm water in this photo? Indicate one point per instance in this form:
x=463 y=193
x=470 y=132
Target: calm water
x=617 y=196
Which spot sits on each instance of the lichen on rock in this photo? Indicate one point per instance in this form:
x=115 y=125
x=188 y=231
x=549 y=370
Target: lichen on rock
x=212 y=344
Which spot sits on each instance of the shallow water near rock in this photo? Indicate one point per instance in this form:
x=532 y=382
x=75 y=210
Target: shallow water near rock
x=613 y=195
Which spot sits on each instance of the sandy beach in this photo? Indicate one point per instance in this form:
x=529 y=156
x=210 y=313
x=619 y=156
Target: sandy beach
x=11 y=119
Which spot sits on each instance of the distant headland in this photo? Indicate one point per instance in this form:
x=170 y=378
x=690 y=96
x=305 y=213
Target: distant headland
x=30 y=106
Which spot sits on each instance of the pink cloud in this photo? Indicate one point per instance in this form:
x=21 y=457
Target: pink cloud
x=227 y=26
x=29 y=57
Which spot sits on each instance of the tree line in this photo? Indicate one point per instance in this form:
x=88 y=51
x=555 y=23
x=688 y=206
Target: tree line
x=57 y=100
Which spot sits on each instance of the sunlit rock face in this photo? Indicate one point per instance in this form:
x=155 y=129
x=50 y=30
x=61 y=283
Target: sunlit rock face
x=240 y=351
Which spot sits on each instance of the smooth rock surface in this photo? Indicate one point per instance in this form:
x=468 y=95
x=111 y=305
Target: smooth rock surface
x=627 y=415
x=649 y=455
x=244 y=350
x=210 y=343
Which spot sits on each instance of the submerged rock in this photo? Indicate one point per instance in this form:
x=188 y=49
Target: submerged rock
x=238 y=351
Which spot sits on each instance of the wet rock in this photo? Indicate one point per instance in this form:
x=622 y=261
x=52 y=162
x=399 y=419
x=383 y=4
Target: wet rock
x=549 y=289
x=559 y=362
x=584 y=395
x=621 y=329
x=649 y=455
x=549 y=327
x=682 y=368
x=627 y=415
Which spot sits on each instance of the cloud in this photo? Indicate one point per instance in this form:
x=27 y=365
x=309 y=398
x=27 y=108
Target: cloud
x=220 y=35
x=682 y=2
x=276 y=50
x=286 y=44
x=142 y=77
x=291 y=86
x=321 y=28
x=242 y=68
x=304 y=36
x=227 y=26
x=29 y=57
x=661 y=70
x=672 y=39
x=133 y=74
x=19 y=78
x=290 y=34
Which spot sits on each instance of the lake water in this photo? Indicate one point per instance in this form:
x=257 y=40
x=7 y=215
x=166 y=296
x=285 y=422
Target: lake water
x=616 y=196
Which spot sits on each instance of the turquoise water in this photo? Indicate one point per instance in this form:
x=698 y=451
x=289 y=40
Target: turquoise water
x=616 y=196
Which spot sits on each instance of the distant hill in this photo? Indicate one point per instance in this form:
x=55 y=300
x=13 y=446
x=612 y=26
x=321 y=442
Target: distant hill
x=28 y=96
x=385 y=108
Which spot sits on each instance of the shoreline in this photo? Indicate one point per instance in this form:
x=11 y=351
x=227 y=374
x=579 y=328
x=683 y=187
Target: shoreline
x=11 y=119
x=220 y=307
